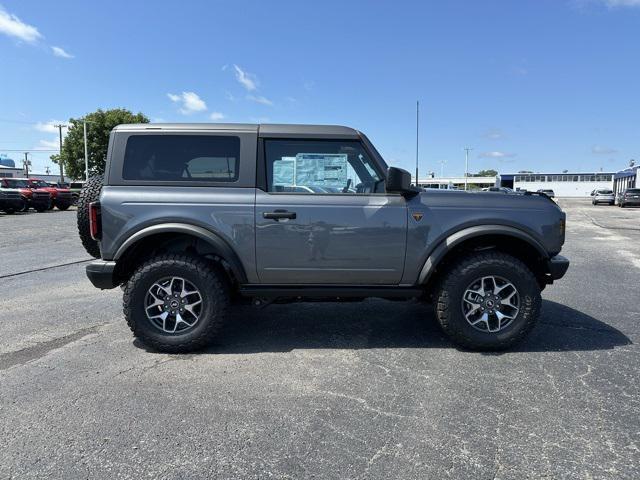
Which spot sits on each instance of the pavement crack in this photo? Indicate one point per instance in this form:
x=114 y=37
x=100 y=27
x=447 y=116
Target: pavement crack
x=42 y=269
x=39 y=350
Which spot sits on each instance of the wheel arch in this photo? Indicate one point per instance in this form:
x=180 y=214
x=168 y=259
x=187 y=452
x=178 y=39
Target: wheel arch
x=481 y=237
x=204 y=241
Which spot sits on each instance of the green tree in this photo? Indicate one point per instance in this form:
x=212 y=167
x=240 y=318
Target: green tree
x=486 y=173
x=99 y=125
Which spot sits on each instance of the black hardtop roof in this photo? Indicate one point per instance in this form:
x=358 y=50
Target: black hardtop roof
x=264 y=129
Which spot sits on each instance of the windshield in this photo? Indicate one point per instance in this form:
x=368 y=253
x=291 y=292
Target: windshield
x=13 y=183
x=605 y=192
x=40 y=183
x=633 y=190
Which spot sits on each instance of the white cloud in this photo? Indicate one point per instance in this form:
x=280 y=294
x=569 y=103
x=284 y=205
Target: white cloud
x=494 y=134
x=215 y=116
x=600 y=150
x=189 y=102
x=496 y=154
x=14 y=27
x=260 y=99
x=59 y=52
x=49 y=144
x=246 y=79
x=48 y=127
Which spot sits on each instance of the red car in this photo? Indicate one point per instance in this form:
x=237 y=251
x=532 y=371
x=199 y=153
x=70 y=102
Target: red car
x=61 y=197
x=39 y=200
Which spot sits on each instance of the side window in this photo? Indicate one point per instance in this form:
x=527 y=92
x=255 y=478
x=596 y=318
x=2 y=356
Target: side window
x=320 y=167
x=181 y=158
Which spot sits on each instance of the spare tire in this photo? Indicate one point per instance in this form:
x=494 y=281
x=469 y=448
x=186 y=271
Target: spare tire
x=90 y=193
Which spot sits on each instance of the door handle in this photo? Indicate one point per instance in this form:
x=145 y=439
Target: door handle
x=278 y=214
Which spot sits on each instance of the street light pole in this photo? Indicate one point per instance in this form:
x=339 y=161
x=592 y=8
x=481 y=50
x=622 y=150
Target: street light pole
x=442 y=162
x=466 y=165
x=60 y=126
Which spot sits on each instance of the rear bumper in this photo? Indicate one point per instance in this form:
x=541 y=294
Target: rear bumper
x=100 y=273
x=557 y=266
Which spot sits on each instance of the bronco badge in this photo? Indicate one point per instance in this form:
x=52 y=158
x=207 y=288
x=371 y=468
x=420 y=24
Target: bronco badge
x=417 y=216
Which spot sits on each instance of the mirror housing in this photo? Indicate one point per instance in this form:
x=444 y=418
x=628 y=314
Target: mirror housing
x=399 y=181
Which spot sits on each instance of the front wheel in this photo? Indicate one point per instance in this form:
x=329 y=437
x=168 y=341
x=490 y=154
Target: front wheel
x=176 y=303
x=488 y=301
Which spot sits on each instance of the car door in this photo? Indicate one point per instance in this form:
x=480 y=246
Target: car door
x=324 y=218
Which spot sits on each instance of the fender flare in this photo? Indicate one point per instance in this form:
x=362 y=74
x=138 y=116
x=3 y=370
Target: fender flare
x=221 y=246
x=460 y=236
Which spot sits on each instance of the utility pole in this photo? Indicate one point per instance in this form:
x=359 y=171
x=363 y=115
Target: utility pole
x=26 y=164
x=466 y=165
x=86 y=151
x=60 y=126
x=417 y=135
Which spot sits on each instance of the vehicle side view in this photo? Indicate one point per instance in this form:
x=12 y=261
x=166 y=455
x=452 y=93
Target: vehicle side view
x=192 y=218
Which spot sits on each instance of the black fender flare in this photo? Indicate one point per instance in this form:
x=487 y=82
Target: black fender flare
x=220 y=246
x=460 y=236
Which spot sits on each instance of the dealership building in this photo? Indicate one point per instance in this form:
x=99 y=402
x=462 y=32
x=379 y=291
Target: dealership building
x=563 y=184
x=627 y=178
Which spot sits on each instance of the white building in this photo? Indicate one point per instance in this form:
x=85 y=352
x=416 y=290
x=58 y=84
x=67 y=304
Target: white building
x=563 y=184
x=457 y=182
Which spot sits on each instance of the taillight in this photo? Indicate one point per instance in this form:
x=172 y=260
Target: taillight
x=95 y=223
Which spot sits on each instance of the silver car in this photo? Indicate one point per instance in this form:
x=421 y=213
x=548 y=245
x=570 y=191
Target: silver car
x=603 y=196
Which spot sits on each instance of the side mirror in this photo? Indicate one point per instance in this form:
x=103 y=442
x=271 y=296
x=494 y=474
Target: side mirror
x=399 y=181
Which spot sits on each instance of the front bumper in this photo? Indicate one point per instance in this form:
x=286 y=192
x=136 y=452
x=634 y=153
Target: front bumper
x=11 y=203
x=101 y=274
x=557 y=266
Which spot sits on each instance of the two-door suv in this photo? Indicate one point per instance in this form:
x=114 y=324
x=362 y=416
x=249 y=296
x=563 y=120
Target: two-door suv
x=191 y=218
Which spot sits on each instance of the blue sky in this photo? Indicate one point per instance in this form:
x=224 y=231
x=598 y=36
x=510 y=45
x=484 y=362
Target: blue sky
x=542 y=85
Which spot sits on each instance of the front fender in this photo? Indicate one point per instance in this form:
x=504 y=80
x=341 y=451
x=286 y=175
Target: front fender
x=460 y=236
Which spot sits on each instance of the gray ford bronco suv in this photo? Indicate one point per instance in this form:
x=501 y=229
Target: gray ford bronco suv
x=192 y=218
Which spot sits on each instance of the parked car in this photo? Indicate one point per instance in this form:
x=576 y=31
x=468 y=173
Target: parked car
x=603 y=195
x=498 y=189
x=630 y=198
x=76 y=188
x=10 y=199
x=184 y=253
x=60 y=197
x=548 y=192
x=38 y=199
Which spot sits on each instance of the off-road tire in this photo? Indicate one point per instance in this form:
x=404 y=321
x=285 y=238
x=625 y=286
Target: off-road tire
x=63 y=207
x=215 y=300
x=9 y=211
x=452 y=286
x=90 y=193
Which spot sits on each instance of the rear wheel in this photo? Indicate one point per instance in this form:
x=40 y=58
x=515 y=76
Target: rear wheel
x=176 y=303
x=63 y=207
x=90 y=193
x=488 y=301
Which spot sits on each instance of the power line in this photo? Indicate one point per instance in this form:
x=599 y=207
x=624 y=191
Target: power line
x=25 y=149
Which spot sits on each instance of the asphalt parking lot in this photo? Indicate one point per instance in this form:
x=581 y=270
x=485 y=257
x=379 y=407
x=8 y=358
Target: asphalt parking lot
x=360 y=390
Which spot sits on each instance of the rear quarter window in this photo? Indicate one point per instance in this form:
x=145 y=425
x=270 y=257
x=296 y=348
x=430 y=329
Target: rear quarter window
x=181 y=158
